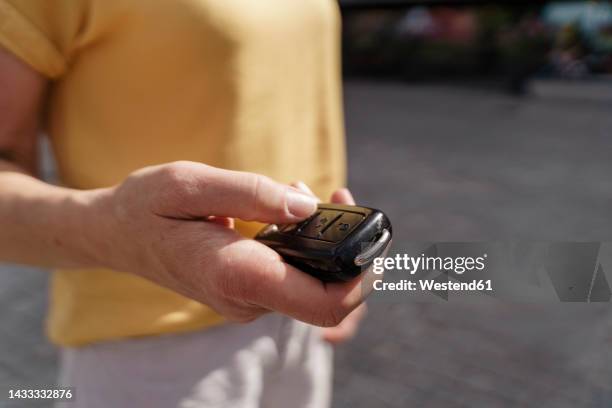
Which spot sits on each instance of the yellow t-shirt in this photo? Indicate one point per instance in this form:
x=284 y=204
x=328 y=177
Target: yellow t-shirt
x=238 y=84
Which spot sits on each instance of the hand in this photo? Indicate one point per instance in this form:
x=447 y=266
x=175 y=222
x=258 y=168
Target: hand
x=169 y=224
x=349 y=326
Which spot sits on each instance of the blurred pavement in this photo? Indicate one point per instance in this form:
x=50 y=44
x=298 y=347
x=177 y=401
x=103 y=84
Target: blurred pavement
x=446 y=163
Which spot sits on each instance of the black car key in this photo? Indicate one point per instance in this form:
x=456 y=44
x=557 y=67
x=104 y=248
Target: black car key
x=334 y=244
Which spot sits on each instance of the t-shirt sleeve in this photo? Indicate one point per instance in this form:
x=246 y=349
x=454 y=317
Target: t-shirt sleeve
x=40 y=32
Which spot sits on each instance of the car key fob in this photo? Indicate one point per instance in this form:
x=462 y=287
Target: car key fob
x=337 y=243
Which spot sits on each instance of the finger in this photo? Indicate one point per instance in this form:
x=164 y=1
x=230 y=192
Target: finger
x=303 y=187
x=341 y=333
x=270 y=283
x=347 y=329
x=342 y=196
x=199 y=190
x=305 y=298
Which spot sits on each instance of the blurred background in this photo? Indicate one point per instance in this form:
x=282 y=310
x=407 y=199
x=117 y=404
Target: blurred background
x=465 y=121
x=503 y=43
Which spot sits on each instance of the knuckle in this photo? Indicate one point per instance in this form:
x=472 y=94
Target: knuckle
x=266 y=199
x=177 y=180
x=173 y=173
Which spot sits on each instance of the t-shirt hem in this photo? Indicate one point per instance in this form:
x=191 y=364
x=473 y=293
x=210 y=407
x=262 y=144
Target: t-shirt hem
x=64 y=340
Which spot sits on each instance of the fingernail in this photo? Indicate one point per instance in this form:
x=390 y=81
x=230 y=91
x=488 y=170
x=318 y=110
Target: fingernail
x=299 y=204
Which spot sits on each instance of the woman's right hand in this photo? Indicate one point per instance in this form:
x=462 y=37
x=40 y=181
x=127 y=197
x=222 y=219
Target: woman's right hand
x=172 y=224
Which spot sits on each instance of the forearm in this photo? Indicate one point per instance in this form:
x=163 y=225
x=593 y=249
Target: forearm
x=46 y=225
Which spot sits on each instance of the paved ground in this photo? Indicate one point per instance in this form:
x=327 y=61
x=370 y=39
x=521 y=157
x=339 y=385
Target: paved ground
x=454 y=164
x=446 y=163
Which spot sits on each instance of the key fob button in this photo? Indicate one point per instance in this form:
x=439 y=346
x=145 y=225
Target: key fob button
x=292 y=228
x=315 y=227
x=342 y=227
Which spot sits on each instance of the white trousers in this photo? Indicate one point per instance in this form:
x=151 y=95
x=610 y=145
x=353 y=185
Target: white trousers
x=272 y=362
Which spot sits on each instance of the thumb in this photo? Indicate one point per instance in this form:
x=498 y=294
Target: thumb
x=342 y=196
x=199 y=190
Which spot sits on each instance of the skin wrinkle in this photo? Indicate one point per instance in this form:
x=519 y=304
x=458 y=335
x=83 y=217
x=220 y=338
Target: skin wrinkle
x=272 y=274
x=194 y=186
x=256 y=192
x=180 y=185
x=236 y=290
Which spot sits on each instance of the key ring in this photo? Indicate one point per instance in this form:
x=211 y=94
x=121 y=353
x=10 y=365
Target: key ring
x=373 y=250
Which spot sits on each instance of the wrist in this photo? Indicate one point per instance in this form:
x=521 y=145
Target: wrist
x=91 y=222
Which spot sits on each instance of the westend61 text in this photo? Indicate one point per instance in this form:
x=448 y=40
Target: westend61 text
x=432 y=285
